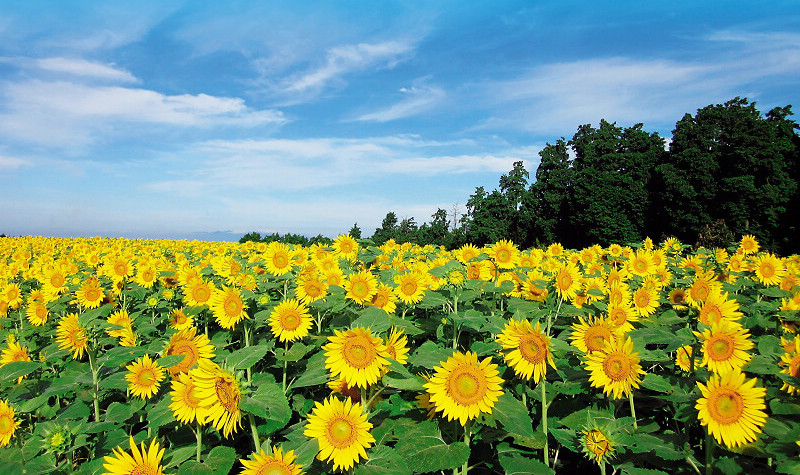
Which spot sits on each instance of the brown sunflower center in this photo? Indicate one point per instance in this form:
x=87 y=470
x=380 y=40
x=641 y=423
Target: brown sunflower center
x=640 y=265
x=201 y=293
x=700 y=290
x=767 y=269
x=227 y=394
x=617 y=367
x=146 y=377
x=564 y=280
x=274 y=467
x=595 y=337
x=533 y=348
x=358 y=352
x=725 y=406
x=144 y=468
x=360 y=289
x=290 y=319
x=409 y=287
x=466 y=385
x=341 y=433
x=720 y=348
x=232 y=305
x=190 y=398
x=92 y=294
x=642 y=298
x=503 y=256
x=191 y=354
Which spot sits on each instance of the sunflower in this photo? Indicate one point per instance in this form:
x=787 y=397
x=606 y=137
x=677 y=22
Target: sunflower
x=683 y=358
x=278 y=463
x=198 y=292
x=144 y=377
x=466 y=253
x=704 y=283
x=462 y=387
x=505 y=254
x=530 y=347
x=748 y=244
x=732 y=408
x=769 y=269
x=342 y=432
x=397 y=346
x=718 y=306
x=15 y=352
x=278 y=258
x=8 y=425
x=385 y=298
x=227 y=307
x=146 y=276
x=310 y=288
x=185 y=402
x=790 y=362
x=590 y=336
x=219 y=395
x=346 y=247
x=71 y=336
x=361 y=287
x=567 y=280
x=555 y=249
x=410 y=287
x=290 y=320
x=597 y=445
x=192 y=346
x=677 y=297
x=356 y=356
x=121 y=319
x=90 y=294
x=340 y=386
x=725 y=346
x=645 y=301
x=640 y=263
x=144 y=461
x=12 y=294
x=179 y=320
x=36 y=313
x=615 y=368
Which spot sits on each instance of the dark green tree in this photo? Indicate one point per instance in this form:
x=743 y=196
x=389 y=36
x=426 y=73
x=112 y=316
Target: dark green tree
x=544 y=207
x=355 y=231
x=388 y=229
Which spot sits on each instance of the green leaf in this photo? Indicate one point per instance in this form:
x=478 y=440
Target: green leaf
x=775 y=292
x=656 y=382
x=514 y=463
x=179 y=455
x=424 y=450
x=192 y=467
x=170 y=361
x=400 y=378
x=514 y=416
x=374 y=318
x=314 y=374
x=221 y=459
x=17 y=369
x=429 y=355
x=270 y=403
x=246 y=357
x=296 y=352
x=383 y=460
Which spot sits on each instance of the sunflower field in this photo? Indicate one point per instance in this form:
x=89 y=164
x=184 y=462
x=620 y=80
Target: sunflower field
x=135 y=356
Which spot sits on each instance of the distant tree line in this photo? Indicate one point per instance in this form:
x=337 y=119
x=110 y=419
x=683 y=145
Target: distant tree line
x=728 y=171
x=287 y=238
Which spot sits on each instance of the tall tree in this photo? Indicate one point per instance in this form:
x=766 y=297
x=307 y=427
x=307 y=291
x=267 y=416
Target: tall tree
x=388 y=229
x=513 y=187
x=544 y=207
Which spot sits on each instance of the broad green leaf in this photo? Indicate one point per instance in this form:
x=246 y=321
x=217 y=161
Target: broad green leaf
x=175 y=457
x=269 y=403
x=314 y=374
x=428 y=355
x=656 y=382
x=170 y=360
x=514 y=463
x=400 y=378
x=221 y=459
x=246 y=357
x=514 y=416
x=382 y=460
x=374 y=318
x=192 y=467
x=424 y=450
x=17 y=369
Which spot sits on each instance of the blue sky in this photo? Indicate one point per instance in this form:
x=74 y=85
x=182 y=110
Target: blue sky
x=200 y=119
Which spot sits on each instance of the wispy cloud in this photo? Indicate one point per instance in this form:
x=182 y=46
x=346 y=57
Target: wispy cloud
x=417 y=99
x=12 y=163
x=82 y=67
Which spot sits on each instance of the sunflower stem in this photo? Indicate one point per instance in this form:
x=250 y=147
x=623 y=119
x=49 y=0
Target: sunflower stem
x=285 y=362
x=95 y=382
x=198 y=434
x=546 y=456
x=254 y=429
x=633 y=410
x=455 y=325
x=709 y=447
x=602 y=468
x=467 y=430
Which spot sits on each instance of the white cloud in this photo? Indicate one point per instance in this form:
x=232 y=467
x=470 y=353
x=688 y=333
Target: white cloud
x=82 y=67
x=12 y=163
x=418 y=99
x=66 y=113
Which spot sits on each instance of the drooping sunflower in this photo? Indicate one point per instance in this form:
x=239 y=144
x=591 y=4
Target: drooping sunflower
x=725 y=346
x=790 y=363
x=769 y=269
x=185 y=401
x=220 y=395
x=683 y=358
x=227 y=307
x=530 y=349
x=592 y=335
x=361 y=287
x=144 y=377
x=732 y=408
x=462 y=387
x=567 y=280
x=385 y=298
x=290 y=320
x=192 y=346
x=410 y=287
x=71 y=336
x=118 y=321
x=718 y=306
x=356 y=355
x=90 y=294
x=615 y=368
x=342 y=431
x=8 y=425
x=397 y=346
x=279 y=463
x=144 y=461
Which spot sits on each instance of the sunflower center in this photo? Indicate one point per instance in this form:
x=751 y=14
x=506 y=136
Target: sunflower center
x=280 y=260
x=767 y=270
x=144 y=468
x=533 y=348
x=120 y=269
x=409 y=287
x=503 y=255
x=639 y=265
x=360 y=289
x=341 y=433
x=617 y=367
x=466 y=385
x=57 y=280
x=190 y=352
x=721 y=348
x=564 y=280
x=274 y=467
x=227 y=394
x=596 y=337
x=359 y=352
x=180 y=318
x=642 y=299
x=92 y=294
x=473 y=272
x=190 y=397
x=233 y=305
x=201 y=293
x=290 y=320
x=380 y=300
x=6 y=424
x=726 y=406
x=618 y=316
x=701 y=291
x=146 y=377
